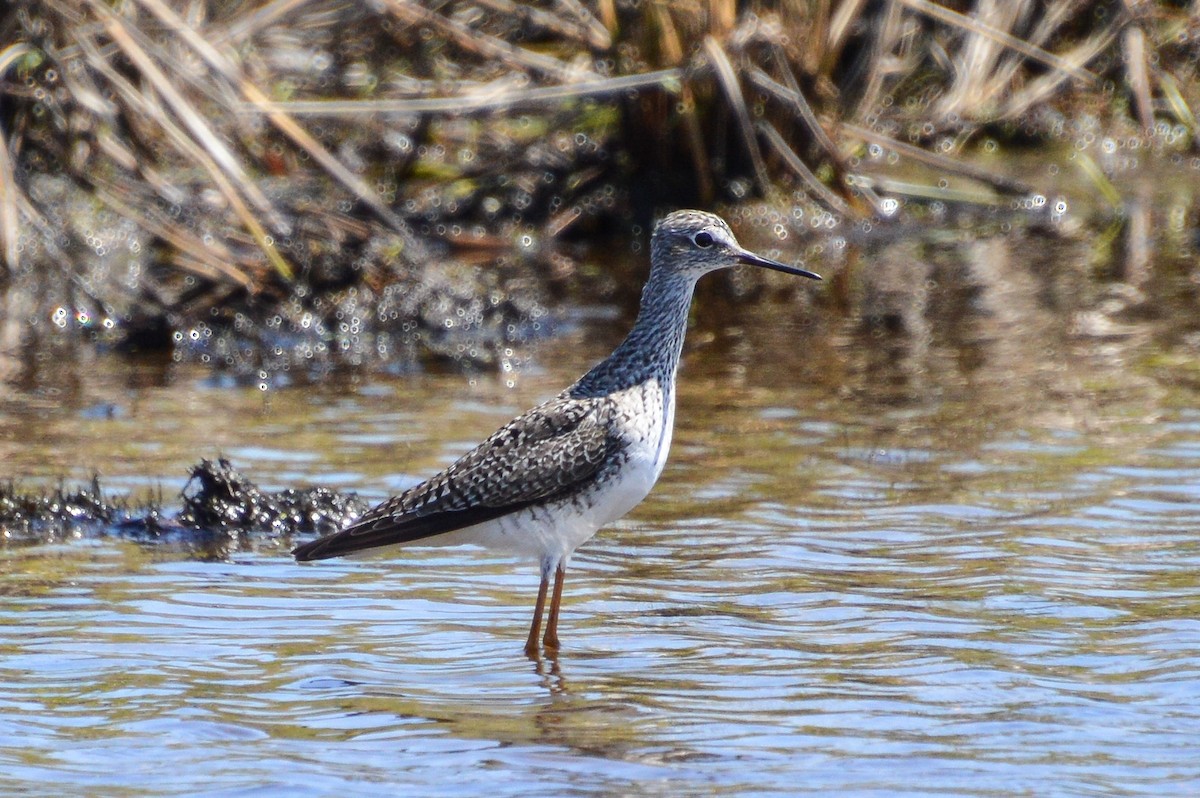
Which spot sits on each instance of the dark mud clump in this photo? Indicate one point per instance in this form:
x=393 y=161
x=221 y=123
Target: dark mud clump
x=220 y=511
x=219 y=497
x=58 y=514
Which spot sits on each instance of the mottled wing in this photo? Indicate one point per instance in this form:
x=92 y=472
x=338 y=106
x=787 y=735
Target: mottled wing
x=546 y=452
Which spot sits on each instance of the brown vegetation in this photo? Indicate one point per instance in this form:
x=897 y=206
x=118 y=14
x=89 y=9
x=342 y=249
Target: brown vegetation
x=173 y=160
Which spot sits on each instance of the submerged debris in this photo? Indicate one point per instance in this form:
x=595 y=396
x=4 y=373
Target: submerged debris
x=219 y=507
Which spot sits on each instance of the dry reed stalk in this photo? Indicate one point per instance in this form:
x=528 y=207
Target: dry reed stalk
x=983 y=66
x=867 y=191
x=1043 y=86
x=722 y=17
x=1000 y=182
x=121 y=155
x=1094 y=173
x=1133 y=47
x=818 y=12
x=983 y=30
x=1054 y=16
x=10 y=219
x=672 y=53
x=793 y=161
x=599 y=35
x=987 y=68
x=989 y=71
x=290 y=128
x=882 y=47
x=607 y=9
x=10 y=194
x=559 y=223
x=924 y=191
x=1179 y=106
x=478 y=98
x=727 y=79
x=793 y=97
x=838 y=32
x=212 y=154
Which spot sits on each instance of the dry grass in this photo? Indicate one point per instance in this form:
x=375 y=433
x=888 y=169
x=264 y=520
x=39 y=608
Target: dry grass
x=265 y=115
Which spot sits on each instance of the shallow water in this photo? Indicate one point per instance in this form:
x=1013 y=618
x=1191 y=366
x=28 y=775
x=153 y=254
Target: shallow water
x=936 y=532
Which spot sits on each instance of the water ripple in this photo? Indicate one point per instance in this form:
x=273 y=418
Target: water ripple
x=804 y=606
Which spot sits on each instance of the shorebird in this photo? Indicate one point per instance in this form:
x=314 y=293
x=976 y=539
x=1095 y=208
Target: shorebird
x=545 y=482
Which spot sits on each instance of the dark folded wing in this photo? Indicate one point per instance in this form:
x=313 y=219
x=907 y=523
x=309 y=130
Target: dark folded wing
x=545 y=453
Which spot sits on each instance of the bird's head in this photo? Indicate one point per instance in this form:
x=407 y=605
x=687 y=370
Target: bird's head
x=695 y=243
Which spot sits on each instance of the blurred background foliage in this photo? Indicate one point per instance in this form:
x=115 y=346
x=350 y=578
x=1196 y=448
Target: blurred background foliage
x=173 y=168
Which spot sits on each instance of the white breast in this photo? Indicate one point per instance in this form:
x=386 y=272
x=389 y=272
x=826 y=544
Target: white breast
x=648 y=444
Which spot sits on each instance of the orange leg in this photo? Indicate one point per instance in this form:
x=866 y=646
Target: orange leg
x=531 y=645
x=551 y=638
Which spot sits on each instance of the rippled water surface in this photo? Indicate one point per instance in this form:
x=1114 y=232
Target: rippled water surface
x=930 y=534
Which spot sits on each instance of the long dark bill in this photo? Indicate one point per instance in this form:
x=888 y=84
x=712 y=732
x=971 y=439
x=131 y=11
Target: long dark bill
x=745 y=256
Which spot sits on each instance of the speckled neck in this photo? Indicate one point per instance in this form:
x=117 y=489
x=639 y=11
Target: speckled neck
x=652 y=348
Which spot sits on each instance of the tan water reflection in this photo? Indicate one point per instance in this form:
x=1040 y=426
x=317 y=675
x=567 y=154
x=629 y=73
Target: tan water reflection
x=934 y=531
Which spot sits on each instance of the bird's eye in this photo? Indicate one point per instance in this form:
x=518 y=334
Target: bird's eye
x=703 y=240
